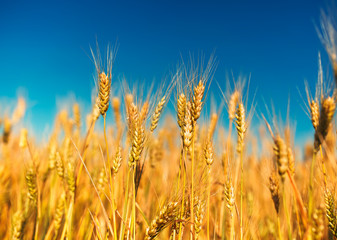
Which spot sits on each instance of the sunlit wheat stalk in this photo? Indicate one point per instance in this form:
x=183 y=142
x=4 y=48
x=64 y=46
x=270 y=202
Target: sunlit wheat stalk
x=241 y=127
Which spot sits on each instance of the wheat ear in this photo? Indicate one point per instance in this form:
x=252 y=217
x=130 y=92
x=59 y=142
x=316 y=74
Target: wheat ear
x=325 y=117
x=197 y=100
x=157 y=113
x=230 y=202
x=314 y=113
x=318 y=223
x=281 y=154
x=166 y=216
x=181 y=110
x=104 y=92
x=331 y=212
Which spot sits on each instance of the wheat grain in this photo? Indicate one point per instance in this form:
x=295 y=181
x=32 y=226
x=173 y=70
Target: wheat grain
x=197 y=100
x=233 y=102
x=166 y=216
x=143 y=112
x=181 y=110
x=241 y=126
x=325 y=117
x=18 y=225
x=281 y=154
x=117 y=160
x=23 y=138
x=32 y=185
x=59 y=165
x=187 y=130
x=318 y=223
x=104 y=92
x=274 y=189
x=77 y=115
x=331 y=212
x=314 y=113
x=157 y=113
x=199 y=216
x=59 y=212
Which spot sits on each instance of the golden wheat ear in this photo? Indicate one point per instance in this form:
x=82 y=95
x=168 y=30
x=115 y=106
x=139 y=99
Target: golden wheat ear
x=241 y=126
x=318 y=223
x=274 y=189
x=104 y=92
x=327 y=112
x=117 y=161
x=187 y=130
x=230 y=203
x=181 y=110
x=199 y=216
x=281 y=154
x=330 y=209
x=314 y=113
x=197 y=103
x=233 y=102
x=166 y=216
x=18 y=224
x=157 y=113
x=59 y=213
x=32 y=185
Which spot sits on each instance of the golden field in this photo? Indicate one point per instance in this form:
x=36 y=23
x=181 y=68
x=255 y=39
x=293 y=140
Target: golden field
x=147 y=174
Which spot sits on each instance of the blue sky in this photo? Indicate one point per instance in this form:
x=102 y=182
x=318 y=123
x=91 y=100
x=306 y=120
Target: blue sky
x=44 y=47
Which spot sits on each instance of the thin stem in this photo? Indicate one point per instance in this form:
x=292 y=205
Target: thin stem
x=180 y=167
x=192 y=185
x=311 y=186
x=134 y=203
x=122 y=228
x=231 y=230
x=38 y=206
x=208 y=199
x=286 y=211
x=114 y=207
x=183 y=198
x=78 y=175
x=297 y=218
x=241 y=196
x=224 y=199
x=299 y=200
x=323 y=167
x=110 y=180
x=70 y=217
x=279 y=227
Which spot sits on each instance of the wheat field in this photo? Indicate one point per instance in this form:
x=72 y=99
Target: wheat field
x=186 y=175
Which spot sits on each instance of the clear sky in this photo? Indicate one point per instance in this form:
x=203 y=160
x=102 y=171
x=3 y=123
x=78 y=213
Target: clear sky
x=44 y=47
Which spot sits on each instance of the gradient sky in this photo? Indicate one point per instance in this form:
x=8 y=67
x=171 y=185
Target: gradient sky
x=44 y=47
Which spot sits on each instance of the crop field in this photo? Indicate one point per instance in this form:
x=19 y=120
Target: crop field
x=148 y=173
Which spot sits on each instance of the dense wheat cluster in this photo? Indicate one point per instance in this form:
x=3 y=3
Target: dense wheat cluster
x=184 y=175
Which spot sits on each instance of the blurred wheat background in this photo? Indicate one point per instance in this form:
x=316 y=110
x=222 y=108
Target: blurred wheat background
x=170 y=160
